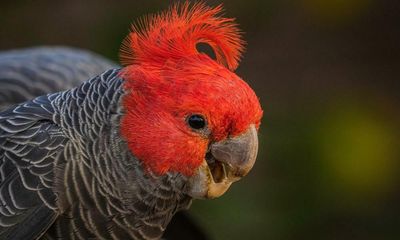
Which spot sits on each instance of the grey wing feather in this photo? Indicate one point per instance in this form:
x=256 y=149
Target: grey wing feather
x=28 y=73
x=30 y=144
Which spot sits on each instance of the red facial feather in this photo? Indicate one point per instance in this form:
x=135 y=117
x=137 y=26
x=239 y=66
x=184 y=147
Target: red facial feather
x=167 y=79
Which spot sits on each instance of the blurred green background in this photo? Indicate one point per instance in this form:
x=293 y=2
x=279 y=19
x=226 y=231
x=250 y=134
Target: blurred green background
x=328 y=76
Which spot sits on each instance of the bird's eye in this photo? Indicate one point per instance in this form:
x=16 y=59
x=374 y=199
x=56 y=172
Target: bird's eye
x=196 y=121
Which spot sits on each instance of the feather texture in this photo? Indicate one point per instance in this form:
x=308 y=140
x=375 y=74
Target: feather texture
x=30 y=143
x=174 y=34
x=52 y=69
x=113 y=157
x=63 y=161
x=28 y=73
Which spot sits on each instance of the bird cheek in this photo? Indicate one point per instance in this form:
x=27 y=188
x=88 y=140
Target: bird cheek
x=191 y=156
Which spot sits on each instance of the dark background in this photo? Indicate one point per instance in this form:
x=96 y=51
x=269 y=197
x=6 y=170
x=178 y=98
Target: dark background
x=327 y=74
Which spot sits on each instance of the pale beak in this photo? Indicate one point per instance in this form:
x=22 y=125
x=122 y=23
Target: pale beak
x=225 y=162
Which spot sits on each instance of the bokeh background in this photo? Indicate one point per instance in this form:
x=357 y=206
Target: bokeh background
x=328 y=75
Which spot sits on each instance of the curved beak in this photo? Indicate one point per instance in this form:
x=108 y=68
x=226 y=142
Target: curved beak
x=225 y=163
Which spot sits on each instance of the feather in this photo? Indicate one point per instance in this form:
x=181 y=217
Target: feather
x=175 y=33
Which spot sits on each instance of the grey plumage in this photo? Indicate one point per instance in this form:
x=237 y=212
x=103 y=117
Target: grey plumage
x=70 y=172
x=25 y=74
x=29 y=144
x=81 y=173
x=28 y=73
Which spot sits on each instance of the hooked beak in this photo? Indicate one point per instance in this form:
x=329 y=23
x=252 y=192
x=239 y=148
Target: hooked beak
x=225 y=163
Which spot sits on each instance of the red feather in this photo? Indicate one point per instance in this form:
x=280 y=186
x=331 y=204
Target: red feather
x=167 y=79
x=174 y=34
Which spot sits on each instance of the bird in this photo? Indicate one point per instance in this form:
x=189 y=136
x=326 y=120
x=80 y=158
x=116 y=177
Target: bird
x=117 y=156
x=31 y=72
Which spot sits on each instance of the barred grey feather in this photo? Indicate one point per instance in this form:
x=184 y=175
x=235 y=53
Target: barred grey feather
x=30 y=142
x=65 y=149
x=31 y=72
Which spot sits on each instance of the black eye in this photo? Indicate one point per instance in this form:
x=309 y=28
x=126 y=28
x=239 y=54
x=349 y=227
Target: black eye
x=196 y=121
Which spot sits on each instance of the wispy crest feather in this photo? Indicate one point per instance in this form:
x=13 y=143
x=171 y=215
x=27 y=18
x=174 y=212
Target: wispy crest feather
x=174 y=34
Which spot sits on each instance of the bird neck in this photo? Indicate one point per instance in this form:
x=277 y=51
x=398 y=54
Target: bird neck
x=99 y=181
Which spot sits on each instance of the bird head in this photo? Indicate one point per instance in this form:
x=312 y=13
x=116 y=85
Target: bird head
x=185 y=111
